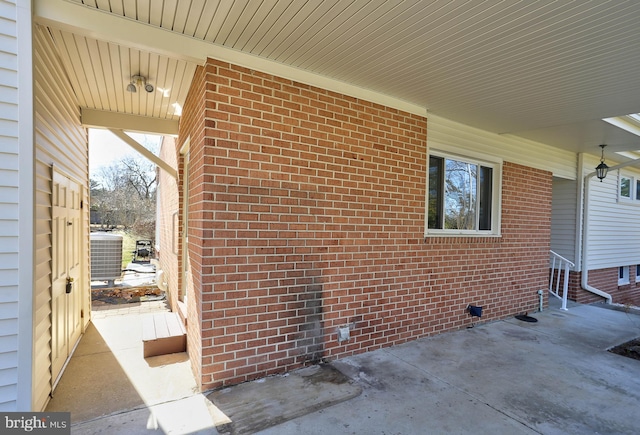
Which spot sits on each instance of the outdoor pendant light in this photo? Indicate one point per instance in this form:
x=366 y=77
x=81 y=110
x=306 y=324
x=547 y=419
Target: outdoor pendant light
x=602 y=168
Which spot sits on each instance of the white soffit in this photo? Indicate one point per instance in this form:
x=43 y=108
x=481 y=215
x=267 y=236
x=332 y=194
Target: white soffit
x=517 y=67
x=99 y=72
x=95 y=24
x=504 y=66
x=630 y=123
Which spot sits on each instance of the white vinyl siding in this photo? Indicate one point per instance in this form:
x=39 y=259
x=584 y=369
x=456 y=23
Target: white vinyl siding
x=11 y=238
x=61 y=141
x=443 y=133
x=563 y=217
x=613 y=229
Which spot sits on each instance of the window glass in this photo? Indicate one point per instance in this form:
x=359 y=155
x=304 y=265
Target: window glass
x=637 y=190
x=486 y=191
x=625 y=187
x=460 y=181
x=460 y=196
x=436 y=177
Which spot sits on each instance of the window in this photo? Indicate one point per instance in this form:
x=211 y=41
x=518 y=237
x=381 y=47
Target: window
x=625 y=187
x=623 y=275
x=629 y=188
x=462 y=196
x=637 y=272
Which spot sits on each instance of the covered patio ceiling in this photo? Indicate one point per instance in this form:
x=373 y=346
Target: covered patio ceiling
x=546 y=71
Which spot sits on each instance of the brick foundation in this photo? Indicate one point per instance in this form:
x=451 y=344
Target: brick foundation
x=607 y=281
x=307 y=212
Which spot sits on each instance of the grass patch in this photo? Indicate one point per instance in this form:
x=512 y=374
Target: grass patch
x=128 y=247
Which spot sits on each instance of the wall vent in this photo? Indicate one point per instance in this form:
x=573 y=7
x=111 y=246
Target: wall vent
x=106 y=257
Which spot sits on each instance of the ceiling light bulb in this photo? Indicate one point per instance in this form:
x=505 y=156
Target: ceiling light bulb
x=131 y=88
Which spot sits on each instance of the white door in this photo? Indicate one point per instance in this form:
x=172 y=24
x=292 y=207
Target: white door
x=66 y=269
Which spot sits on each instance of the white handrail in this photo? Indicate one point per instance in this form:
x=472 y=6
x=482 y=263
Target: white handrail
x=565 y=264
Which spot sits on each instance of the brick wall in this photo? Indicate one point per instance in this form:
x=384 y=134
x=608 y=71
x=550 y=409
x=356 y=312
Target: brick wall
x=576 y=293
x=607 y=281
x=308 y=213
x=628 y=294
x=193 y=129
x=168 y=205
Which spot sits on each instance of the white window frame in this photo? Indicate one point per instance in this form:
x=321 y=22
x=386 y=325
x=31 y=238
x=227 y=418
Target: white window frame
x=634 y=184
x=624 y=279
x=496 y=192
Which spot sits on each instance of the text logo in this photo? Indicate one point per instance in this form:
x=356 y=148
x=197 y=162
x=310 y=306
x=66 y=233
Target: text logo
x=41 y=423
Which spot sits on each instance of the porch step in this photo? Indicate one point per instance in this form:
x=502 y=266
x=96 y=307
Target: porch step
x=163 y=333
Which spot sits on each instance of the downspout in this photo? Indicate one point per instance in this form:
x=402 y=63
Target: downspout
x=584 y=276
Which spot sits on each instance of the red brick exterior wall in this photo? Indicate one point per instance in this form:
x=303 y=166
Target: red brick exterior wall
x=168 y=204
x=308 y=212
x=575 y=290
x=629 y=293
x=607 y=281
x=193 y=128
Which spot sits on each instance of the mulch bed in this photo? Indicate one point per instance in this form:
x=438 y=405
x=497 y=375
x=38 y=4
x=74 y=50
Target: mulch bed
x=124 y=295
x=630 y=349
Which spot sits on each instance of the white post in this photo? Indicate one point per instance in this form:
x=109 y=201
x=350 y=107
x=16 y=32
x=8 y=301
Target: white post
x=565 y=287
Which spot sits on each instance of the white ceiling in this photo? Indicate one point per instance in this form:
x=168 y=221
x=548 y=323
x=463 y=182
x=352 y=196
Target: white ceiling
x=547 y=71
x=98 y=69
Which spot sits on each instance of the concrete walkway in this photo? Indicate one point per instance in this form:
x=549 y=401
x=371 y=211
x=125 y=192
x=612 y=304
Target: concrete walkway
x=552 y=377
x=110 y=388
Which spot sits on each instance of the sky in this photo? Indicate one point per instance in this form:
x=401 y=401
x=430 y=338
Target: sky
x=105 y=148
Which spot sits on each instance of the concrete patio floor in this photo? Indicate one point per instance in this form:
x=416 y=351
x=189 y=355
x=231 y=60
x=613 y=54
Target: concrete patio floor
x=552 y=377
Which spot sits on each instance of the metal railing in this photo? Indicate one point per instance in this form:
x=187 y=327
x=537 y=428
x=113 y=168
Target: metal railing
x=559 y=264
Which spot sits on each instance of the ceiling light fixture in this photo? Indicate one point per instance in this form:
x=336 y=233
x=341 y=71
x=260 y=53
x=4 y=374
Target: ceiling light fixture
x=602 y=168
x=138 y=80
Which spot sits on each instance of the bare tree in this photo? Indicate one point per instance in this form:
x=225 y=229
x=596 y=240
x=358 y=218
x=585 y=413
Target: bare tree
x=141 y=176
x=124 y=194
